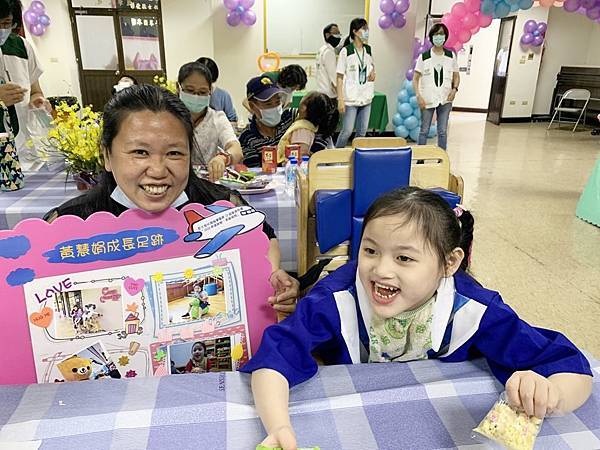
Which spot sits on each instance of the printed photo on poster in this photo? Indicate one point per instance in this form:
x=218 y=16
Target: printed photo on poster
x=201 y=356
x=91 y=363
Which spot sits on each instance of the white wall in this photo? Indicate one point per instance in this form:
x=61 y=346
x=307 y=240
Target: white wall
x=522 y=71
x=563 y=48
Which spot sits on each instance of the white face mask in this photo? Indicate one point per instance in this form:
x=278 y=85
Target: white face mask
x=271 y=116
x=195 y=103
x=4 y=34
x=287 y=96
x=122 y=85
x=364 y=36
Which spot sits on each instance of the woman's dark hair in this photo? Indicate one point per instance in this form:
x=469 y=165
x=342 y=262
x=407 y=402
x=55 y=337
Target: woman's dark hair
x=131 y=77
x=328 y=28
x=201 y=343
x=321 y=112
x=436 y=29
x=14 y=8
x=431 y=214
x=194 y=67
x=292 y=76
x=355 y=25
x=211 y=65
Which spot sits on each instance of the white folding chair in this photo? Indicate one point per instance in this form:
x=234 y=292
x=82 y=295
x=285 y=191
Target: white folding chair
x=581 y=95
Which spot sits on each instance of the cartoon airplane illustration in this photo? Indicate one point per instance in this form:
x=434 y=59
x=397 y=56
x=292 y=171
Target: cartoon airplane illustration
x=223 y=225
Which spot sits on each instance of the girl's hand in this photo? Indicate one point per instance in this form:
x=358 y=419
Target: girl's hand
x=286 y=291
x=533 y=393
x=421 y=102
x=371 y=76
x=216 y=168
x=341 y=107
x=282 y=437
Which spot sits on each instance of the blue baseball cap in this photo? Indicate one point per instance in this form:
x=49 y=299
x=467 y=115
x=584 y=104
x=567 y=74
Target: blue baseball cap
x=262 y=88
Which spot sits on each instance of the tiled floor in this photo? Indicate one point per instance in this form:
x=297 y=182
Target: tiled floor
x=522 y=184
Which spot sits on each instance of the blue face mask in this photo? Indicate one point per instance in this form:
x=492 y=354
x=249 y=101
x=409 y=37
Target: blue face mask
x=4 y=34
x=438 y=40
x=364 y=36
x=195 y=103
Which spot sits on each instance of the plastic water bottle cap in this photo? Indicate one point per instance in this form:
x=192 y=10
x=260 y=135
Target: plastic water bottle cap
x=294 y=161
x=305 y=158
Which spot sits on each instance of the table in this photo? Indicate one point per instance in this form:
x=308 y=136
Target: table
x=379 y=110
x=421 y=405
x=46 y=190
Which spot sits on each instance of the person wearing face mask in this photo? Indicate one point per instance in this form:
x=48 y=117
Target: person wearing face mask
x=215 y=143
x=20 y=70
x=436 y=83
x=327 y=61
x=269 y=121
x=123 y=83
x=355 y=82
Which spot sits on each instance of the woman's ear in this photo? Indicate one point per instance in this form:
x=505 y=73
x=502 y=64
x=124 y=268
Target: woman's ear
x=453 y=261
x=106 y=158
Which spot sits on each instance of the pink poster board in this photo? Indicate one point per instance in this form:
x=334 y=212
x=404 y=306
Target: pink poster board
x=131 y=293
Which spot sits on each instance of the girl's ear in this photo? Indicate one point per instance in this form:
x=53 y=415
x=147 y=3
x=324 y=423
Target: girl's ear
x=453 y=261
x=106 y=158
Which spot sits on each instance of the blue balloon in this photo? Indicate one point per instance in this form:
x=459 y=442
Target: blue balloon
x=414 y=134
x=432 y=131
x=403 y=96
x=502 y=10
x=405 y=110
x=411 y=122
x=417 y=114
x=514 y=7
x=401 y=131
x=409 y=87
x=488 y=7
x=414 y=102
x=525 y=4
x=398 y=120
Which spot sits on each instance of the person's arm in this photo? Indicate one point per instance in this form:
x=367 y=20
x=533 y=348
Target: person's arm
x=36 y=98
x=372 y=74
x=227 y=141
x=304 y=138
x=330 y=68
x=271 y=396
x=417 y=88
x=535 y=364
x=230 y=111
x=341 y=71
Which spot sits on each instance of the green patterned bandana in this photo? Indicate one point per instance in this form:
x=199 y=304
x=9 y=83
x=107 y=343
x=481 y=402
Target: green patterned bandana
x=405 y=337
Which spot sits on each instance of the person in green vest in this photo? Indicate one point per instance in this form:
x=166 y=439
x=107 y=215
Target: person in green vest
x=316 y=114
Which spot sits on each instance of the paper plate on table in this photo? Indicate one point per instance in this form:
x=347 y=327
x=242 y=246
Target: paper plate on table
x=256 y=190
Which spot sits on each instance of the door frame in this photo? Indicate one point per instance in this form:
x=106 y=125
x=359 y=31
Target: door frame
x=503 y=21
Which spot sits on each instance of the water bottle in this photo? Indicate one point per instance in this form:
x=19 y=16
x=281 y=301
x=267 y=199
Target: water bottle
x=290 y=176
x=304 y=164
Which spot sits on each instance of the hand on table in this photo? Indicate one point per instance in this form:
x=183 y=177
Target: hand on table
x=286 y=291
x=11 y=93
x=216 y=168
x=533 y=393
x=282 y=437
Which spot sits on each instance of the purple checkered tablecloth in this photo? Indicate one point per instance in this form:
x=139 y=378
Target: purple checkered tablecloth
x=46 y=190
x=418 y=405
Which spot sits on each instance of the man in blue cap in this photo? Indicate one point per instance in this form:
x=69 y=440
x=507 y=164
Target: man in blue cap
x=269 y=122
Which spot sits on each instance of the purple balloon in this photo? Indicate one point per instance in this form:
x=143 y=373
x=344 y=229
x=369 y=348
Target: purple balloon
x=530 y=26
x=30 y=17
x=395 y=15
x=571 y=5
x=402 y=6
x=44 y=20
x=387 y=6
x=527 y=39
x=542 y=27
x=249 y=18
x=410 y=73
x=538 y=40
x=37 y=29
x=240 y=9
x=385 y=21
x=399 y=21
x=38 y=7
x=231 y=4
x=594 y=13
x=536 y=33
x=587 y=4
x=233 y=19
x=247 y=4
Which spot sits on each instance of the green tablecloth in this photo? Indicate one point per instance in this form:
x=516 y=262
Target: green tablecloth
x=588 y=207
x=379 y=111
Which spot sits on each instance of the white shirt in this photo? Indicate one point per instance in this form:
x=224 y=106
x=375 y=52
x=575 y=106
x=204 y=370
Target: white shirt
x=326 y=71
x=214 y=131
x=356 y=66
x=436 y=76
x=24 y=72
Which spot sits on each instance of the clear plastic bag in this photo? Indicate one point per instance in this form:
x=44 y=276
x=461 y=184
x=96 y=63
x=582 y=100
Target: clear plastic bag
x=509 y=427
x=38 y=148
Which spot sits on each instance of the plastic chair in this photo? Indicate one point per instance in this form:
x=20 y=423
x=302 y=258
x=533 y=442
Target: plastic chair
x=582 y=95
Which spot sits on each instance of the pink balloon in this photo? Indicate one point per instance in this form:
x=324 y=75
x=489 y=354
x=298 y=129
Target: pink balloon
x=473 y=5
x=38 y=7
x=231 y=4
x=459 y=10
x=249 y=18
x=469 y=20
x=387 y=6
x=233 y=18
x=464 y=36
x=385 y=21
x=37 y=29
x=451 y=21
x=485 y=21
x=247 y=4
